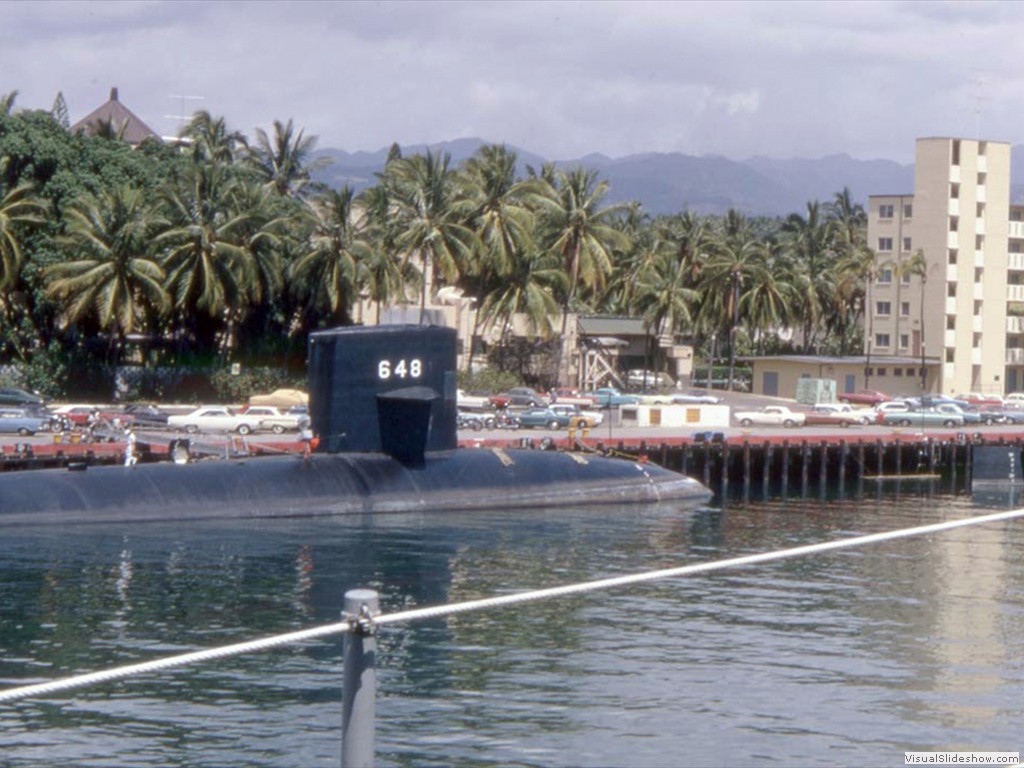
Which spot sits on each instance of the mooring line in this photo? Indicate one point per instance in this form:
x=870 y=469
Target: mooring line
x=118 y=673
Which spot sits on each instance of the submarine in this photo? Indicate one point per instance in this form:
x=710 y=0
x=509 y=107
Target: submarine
x=383 y=409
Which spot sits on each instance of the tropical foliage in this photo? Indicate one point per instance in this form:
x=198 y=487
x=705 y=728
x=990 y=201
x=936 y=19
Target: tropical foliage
x=219 y=249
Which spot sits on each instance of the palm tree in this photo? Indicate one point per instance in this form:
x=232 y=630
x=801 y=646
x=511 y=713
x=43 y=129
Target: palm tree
x=202 y=250
x=283 y=161
x=583 y=234
x=527 y=287
x=329 y=275
x=7 y=102
x=430 y=211
x=810 y=244
x=387 y=276
x=210 y=139
x=917 y=266
x=19 y=207
x=663 y=295
x=114 y=277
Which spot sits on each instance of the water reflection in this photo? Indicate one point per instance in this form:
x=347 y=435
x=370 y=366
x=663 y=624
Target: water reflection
x=846 y=658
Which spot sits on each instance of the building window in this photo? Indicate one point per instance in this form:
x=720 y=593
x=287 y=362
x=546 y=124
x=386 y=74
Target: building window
x=950 y=322
x=951 y=290
x=886 y=211
x=954 y=191
x=955 y=159
x=982 y=148
x=1014 y=246
x=885 y=276
x=897 y=371
x=979 y=273
x=905 y=308
x=904 y=342
x=981 y=210
x=977 y=309
x=881 y=340
x=949 y=355
x=905 y=278
x=952 y=255
x=885 y=243
x=1016 y=214
x=883 y=371
x=954 y=223
x=910 y=371
x=883 y=308
x=906 y=243
x=979 y=242
x=908 y=211
x=982 y=178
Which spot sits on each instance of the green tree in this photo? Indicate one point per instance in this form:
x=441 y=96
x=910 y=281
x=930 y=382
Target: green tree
x=114 y=278
x=431 y=213
x=583 y=234
x=210 y=140
x=283 y=161
x=328 y=278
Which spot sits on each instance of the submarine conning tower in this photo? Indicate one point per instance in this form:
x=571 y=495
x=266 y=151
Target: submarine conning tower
x=384 y=389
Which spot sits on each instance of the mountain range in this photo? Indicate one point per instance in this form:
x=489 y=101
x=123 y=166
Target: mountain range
x=671 y=182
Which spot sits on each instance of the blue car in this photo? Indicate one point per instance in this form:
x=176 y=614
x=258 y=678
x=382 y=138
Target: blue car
x=16 y=421
x=544 y=417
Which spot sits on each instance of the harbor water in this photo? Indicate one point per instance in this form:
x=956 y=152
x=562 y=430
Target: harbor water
x=847 y=658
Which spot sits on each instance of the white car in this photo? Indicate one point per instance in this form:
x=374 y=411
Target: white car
x=215 y=418
x=471 y=402
x=274 y=419
x=771 y=416
x=590 y=418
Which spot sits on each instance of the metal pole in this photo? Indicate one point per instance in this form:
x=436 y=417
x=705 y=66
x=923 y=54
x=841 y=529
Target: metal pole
x=359 y=684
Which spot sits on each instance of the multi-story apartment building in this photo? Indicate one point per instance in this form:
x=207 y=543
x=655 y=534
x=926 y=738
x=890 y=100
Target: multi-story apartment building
x=948 y=288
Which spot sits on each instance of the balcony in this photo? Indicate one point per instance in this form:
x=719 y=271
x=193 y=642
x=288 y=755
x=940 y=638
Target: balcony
x=953 y=240
x=954 y=207
x=951 y=304
x=976 y=326
x=950 y=338
x=1017 y=229
x=1015 y=324
x=979 y=258
x=978 y=294
x=1013 y=293
x=954 y=174
x=1015 y=356
x=976 y=356
x=982 y=166
x=1015 y=260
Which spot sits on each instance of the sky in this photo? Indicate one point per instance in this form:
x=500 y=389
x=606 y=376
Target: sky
x=561 y=79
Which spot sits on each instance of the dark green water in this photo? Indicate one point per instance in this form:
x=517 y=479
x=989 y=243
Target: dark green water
x=846 y=658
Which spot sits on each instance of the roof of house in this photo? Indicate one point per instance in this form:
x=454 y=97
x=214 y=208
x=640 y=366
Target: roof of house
x=611 y=326
x=119 y=116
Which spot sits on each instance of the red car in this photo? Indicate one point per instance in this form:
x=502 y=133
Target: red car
x=864 y=397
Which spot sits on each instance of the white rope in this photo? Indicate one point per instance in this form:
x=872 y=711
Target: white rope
x=689 y=570
x=118 y=673
x=133 y=670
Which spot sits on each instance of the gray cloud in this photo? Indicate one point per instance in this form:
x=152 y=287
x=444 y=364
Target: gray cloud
x=560 y=78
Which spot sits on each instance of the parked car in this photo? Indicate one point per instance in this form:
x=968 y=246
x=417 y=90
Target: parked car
x=920 y=417
x=641 y=379
x=578 y=415
x=864 y=397
x=840 y=414
x=214 y=419
x=570 y=396
x=144 y=415
x=15 y=396
x=543 y=417
x=771 y=415
x=473 y=401
x=274 y=419
x=1014 y=398
x=608 y=397
x=694 y=397
x=519 y=396
x=977 y=398
x=281 y=398
x=16 y=421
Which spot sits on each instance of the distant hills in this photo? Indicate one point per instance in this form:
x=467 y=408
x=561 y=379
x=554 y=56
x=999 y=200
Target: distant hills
x=672 y=182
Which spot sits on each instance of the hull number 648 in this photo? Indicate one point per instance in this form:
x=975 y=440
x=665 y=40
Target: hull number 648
x=400 y=369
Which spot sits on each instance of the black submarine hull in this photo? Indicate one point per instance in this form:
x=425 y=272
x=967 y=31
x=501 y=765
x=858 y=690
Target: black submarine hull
x=335 y=484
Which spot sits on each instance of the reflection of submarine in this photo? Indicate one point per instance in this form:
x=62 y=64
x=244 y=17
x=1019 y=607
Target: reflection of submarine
x=382 y=402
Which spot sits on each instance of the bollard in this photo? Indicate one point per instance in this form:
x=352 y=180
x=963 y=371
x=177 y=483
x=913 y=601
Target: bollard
x=359 y=682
